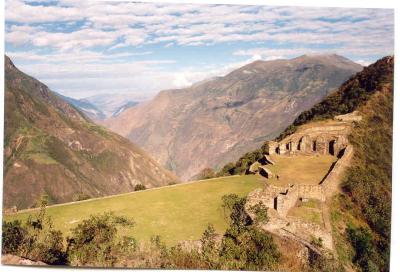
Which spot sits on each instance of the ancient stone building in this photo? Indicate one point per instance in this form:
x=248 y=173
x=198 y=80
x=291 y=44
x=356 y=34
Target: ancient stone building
x=330 y=137
x=320 y=140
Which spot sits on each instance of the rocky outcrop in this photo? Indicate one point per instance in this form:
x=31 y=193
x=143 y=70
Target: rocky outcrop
x=349 y=117
x=9 y=259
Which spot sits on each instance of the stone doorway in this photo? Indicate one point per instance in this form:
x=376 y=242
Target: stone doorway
x=314 y=146
x=332 y=147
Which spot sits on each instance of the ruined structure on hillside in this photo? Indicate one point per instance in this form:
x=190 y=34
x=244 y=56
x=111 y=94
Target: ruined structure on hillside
x=321 y=140
x=318 y=139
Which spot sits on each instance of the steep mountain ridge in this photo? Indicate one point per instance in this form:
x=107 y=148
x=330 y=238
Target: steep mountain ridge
x=211 y=123
x=51 y=148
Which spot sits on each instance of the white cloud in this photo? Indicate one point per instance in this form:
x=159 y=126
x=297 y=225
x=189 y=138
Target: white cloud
x=208 y=24
x=18 y=11
x=363 y=62
x=73 y=54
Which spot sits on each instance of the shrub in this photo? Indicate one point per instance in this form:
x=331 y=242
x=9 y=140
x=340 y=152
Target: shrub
x=94 y=240
x=261 y=213
x=227 y=204
x=36 y=239
x=13 y=235
x=209 y=248
x=206 y=173
x=80 y=197
x=140 y=187
x=365 y=255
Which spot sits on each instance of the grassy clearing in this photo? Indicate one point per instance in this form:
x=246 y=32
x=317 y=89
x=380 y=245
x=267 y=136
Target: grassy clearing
x=300 y=169
x=175 y=213
x=307 y=214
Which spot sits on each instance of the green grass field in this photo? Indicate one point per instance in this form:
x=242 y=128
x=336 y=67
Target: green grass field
x=176 y=213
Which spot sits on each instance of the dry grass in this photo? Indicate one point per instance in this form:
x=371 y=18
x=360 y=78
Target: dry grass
x=307 y=214
x=309 y=211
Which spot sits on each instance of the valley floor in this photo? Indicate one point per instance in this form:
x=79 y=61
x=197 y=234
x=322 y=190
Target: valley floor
x=176 y=213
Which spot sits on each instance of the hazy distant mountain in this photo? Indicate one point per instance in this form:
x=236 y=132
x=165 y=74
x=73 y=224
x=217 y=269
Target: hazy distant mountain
x=209 y=124
x=102 y=106
x=51 y=148
x=114 y=104
x=89 y=109
x=124 y=107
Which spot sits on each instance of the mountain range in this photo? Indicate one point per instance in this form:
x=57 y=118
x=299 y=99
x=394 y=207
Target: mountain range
x=216 y=121
x=102 y=106
x=52 y=148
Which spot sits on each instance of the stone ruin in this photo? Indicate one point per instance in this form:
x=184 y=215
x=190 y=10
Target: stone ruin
x=331 y=138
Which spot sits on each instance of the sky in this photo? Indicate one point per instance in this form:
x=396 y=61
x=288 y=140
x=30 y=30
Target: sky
x=85 y=48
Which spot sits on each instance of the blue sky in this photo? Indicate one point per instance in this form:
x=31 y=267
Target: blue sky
x=84 y=48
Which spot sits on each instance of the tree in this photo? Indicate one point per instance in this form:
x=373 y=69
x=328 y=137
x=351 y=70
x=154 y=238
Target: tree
x=261 y=213
x=245 y=246
x=209 y=247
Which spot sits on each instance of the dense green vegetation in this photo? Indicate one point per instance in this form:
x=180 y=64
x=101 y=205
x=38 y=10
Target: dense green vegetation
x=242 y=164
x=368 y=183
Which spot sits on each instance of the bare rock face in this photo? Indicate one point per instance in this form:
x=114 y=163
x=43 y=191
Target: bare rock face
x=9 y=259
x=52 y=148
x=212 y=123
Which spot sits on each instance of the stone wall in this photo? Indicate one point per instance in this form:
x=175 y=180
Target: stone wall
x=308 y=231
x=280 y=199
x=286 y=200
x=310 y=191
x=320 y=140
x=332 y=181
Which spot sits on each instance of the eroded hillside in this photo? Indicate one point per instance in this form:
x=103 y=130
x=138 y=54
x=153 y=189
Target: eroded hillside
x=51 y=148
x=213 y=122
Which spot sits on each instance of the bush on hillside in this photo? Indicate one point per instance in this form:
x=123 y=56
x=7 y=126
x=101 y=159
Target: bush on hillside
x=241 y=166
x=365 y=254
x=13 y=235
x=80 y=197
x=139 y=187
x=206 y=173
